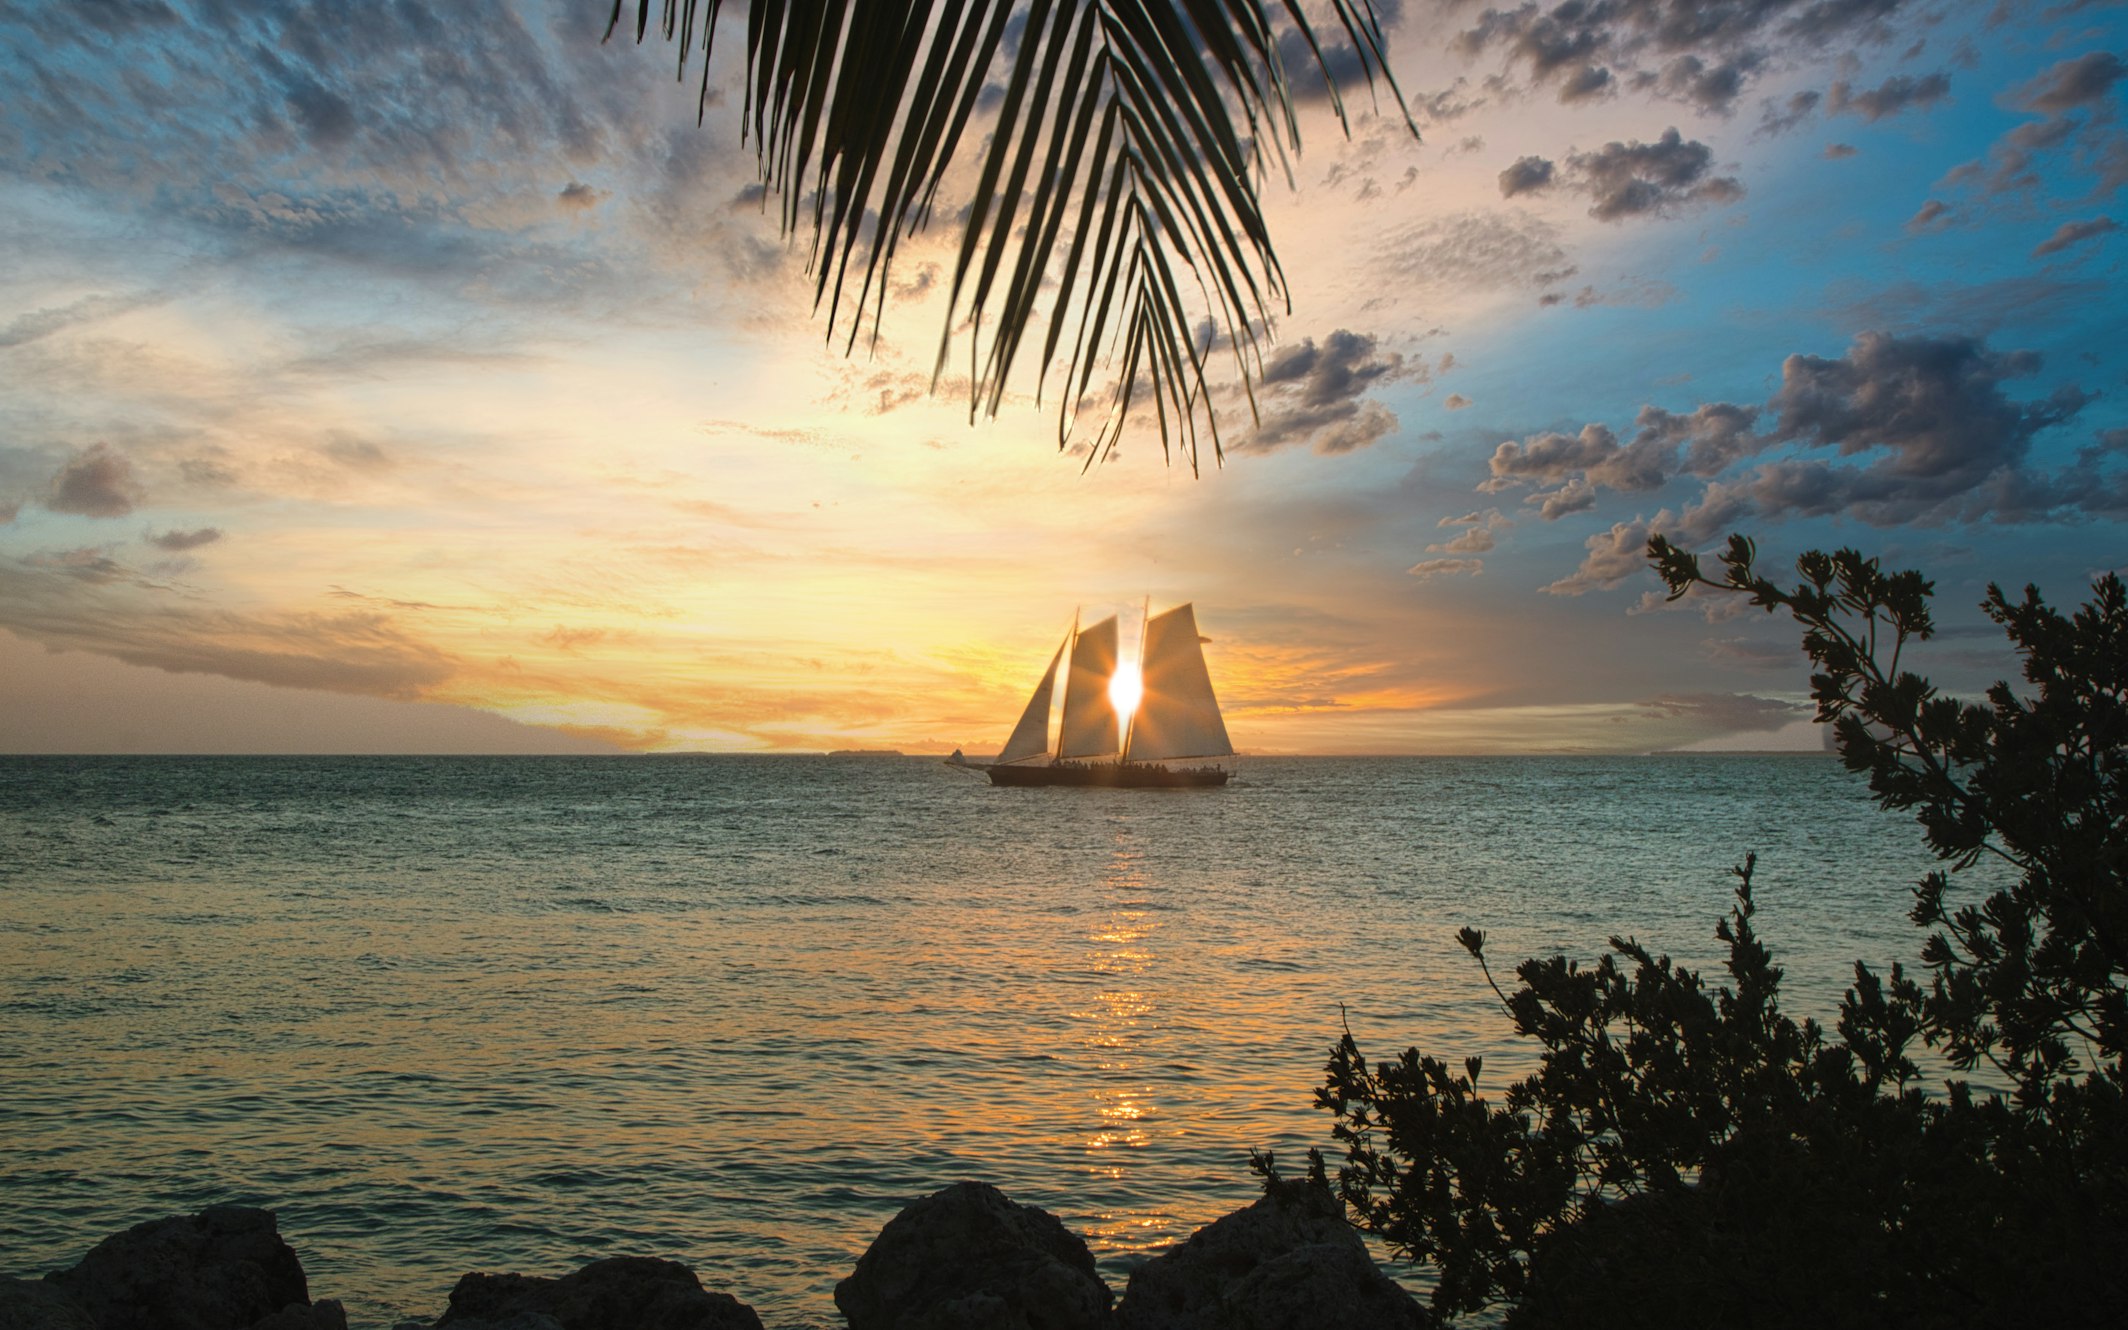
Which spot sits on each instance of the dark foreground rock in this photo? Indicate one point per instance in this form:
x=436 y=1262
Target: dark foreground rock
x=967 y=1258
x=32 y=1304
x=623 y=1293
x=225 y=1268
x=1288 y=1262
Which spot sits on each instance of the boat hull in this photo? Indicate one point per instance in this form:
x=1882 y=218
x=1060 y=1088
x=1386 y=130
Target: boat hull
x=1111 y=775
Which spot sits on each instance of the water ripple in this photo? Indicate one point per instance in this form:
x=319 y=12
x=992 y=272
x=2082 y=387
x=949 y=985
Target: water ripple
x=458 y=1014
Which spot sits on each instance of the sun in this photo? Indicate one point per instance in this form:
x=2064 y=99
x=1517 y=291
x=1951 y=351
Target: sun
x=1125 y=687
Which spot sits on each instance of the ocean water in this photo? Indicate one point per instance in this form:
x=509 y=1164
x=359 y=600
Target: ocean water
x=520 y=1013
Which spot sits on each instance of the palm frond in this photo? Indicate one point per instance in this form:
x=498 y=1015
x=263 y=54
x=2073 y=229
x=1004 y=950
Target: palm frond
x=1132 y=133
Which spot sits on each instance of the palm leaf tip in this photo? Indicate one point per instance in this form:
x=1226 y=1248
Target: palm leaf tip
x=1115 y=175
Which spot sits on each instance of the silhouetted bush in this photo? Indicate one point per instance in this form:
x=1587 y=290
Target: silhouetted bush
x=1687 y=1153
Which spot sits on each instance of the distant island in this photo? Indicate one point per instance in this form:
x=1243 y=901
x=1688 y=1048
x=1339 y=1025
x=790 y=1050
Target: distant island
x=866 y=752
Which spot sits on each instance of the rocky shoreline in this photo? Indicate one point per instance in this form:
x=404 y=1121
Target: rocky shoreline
x=964 y=1258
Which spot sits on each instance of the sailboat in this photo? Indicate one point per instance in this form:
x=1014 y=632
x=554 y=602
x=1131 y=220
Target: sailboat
x=1173 y=737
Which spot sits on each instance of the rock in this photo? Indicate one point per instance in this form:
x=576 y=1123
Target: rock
x=622 y=1293
x=224 y=1268
x=1331 y=1283
x=33 y=1304
x=324 y=1314
x=967 y=1258
x=1288 y=1262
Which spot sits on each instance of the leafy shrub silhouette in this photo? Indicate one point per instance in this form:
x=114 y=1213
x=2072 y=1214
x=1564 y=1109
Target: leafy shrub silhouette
x=1687 y=1153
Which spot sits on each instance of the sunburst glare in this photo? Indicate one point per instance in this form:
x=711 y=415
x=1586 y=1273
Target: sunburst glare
x=1125 y=687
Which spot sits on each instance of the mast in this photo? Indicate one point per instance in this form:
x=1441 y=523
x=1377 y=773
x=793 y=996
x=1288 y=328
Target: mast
x=1071 y=641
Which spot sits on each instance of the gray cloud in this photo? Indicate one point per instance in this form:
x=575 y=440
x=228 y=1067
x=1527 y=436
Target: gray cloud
x=1701 y=54
x=36 y=324
x=1312 y=394
x=1475 y=251
x=1614 y=555
x=409 y=142
x=87 y=600
x=1921 y=429
x=96 y=483
x=358 y=454
x=1650 y=179
x=1593 y=454
x=1894 y=95
x=1712 y=89
x=1477 y=534
x=1341 y=60
x=2079 y=118
x=2071 y=233
x=179 y=541
x=1780 y=119
x=577 y=196
x=1727 y=713
x=1664 y=445
x=2070 y=84
x=1427 y=570
x=1933 y=215
x=1753 y=653
x=1526 y=176
x=1933 y=408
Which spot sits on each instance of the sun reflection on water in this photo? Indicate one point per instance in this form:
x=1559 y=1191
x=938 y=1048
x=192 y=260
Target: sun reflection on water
x=1122 y=1026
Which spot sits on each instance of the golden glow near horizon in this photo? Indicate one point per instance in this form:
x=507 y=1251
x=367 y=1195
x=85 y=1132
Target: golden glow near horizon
x=539 y=428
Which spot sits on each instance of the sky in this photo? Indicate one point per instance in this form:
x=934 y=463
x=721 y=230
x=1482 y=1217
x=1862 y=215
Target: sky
x=423 y=378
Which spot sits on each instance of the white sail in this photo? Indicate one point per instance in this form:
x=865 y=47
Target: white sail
x=1031 y=735
x=1177 y=716
x=1089 y=728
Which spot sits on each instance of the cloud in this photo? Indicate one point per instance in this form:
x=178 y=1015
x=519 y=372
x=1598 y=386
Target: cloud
x=1726 y=712
x=41 y=323
x=1426 y=570
x=1614 y=555
x=1650 y=179
x=1477 y=535
x=358 y=454
x=1342 y=62
x=1455 y=402
x=1712 y=89
x=179 y=541
x=1475 y=252
x=96 y=483
x=1312 y=394
x=1663 y=444
x=1526 y=176
x=1932 y=409
x=2073 y=99
x=1752 y=653
x=2071 y=233
x=1933 y=215
x=1629 y=293
x=1839 y=151
x=1894 y=95
x=1919 y=429
x=1700 y=54
x=1779 y=119
x=579 y=197
x=2070 y=84
x=87 y=600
